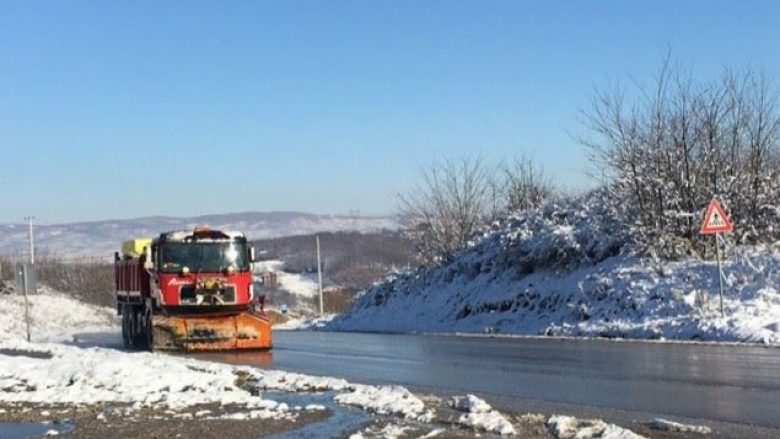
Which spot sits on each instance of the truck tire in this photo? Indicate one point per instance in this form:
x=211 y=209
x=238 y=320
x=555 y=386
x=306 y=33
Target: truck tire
x=133 y=326
x=127 y=332
x=145 y=340
x=132 y=331
x=138 y=328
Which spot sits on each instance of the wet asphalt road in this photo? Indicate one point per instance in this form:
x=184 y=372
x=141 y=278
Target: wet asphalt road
x=721 y=383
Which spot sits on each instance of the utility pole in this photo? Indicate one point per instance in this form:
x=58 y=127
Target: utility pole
x=29 y=220
x=25 y=275
x=319 y=274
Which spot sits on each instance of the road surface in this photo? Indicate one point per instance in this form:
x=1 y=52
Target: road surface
x=721 y=383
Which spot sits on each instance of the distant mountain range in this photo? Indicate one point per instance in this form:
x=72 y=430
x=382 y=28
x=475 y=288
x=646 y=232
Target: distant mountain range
x=102 y=238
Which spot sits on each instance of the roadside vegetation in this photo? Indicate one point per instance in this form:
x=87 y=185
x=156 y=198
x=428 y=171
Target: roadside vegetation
x=667 y=147
x=89 y=279
x=660 y=150
x=507 y=252
x=459 y=199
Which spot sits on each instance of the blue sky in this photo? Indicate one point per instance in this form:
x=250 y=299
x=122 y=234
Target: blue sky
x=125 y=109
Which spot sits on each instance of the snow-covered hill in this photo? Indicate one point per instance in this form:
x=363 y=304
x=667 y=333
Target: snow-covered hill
x=101 y=238
x=294 y=290
x=567 y=269
x=298 y=284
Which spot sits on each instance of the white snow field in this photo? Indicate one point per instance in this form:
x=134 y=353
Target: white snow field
x=302 y=286
x=563 y=270
x=299 y=284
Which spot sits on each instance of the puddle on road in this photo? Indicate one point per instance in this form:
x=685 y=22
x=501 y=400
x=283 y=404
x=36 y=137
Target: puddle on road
x=25 y=430
x=342 y=419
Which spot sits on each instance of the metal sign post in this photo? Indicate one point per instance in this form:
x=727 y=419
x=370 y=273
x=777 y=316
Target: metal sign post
x=717 y=221
x=720 y=274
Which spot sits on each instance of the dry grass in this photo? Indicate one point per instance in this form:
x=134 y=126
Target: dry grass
x=89 y=280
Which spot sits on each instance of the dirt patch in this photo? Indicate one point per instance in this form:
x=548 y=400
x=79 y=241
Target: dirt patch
x=41 y=355
x=104 y=421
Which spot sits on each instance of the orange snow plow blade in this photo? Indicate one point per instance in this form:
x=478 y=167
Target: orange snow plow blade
x=211 y=333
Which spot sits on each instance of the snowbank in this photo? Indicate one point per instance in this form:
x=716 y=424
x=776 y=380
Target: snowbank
x=666 y=425
x=568 y=427
x=95 y=375
x=316 y=322
x=560 y=271
x=54 y=317
x=70 y=374
x=384 y=400
x=479 y=415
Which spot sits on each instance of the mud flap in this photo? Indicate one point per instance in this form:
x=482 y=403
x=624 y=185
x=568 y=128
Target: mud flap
x=212 y=333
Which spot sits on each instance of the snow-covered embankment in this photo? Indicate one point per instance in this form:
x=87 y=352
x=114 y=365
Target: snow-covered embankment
x=564 y=270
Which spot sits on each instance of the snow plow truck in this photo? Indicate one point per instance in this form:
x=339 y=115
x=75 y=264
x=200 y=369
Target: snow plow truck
x=190 y=291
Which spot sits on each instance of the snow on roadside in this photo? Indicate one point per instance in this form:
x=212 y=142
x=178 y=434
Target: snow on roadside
x=666 y=425
x=569 y=427
x=72 y=374
x=290 y=381
x=305 y=323
x=479 y=415
x=384 y=400
x=54 y=317
x=96 y=375
x=88 y=376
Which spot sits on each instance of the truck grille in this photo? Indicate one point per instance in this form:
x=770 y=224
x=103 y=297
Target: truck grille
x=188 y=295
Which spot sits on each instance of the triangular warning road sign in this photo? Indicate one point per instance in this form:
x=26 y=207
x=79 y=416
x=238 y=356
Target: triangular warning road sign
x=716 y=220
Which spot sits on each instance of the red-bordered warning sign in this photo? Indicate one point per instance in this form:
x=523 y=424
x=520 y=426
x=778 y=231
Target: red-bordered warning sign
x=716 y=220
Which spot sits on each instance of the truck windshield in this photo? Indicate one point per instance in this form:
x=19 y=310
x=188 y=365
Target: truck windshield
x=203 y=257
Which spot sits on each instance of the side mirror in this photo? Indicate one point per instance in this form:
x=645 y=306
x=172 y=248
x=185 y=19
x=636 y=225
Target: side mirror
x=252 y=255
x=148 y=264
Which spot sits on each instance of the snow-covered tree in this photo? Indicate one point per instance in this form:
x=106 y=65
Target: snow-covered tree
x=668 y=148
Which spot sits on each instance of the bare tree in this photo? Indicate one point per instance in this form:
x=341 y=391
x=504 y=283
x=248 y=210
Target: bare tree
x=456 y=199
x=448 y=207
x=525 y=184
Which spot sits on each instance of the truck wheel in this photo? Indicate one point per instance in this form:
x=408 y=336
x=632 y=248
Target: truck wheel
x=127 y=337
x=133 y=326
x=130 y=327
x=145 y=321
x=138 y=328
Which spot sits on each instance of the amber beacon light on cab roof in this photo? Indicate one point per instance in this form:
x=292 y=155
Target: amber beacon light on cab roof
x=190 y=291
